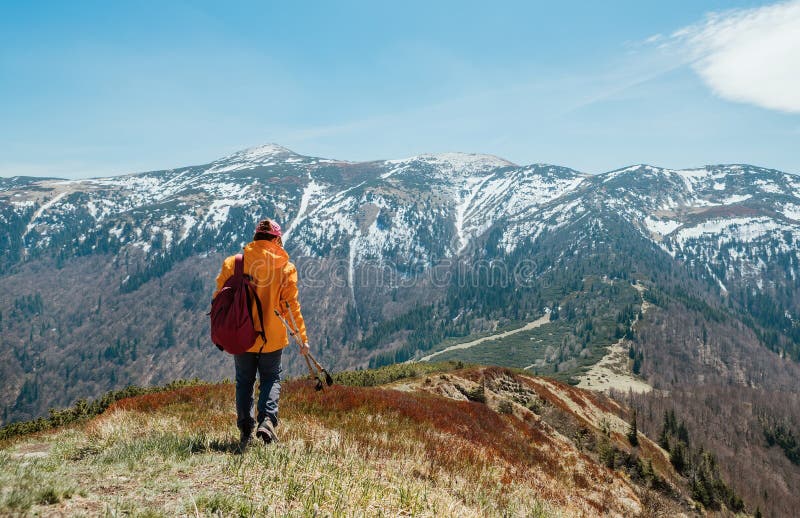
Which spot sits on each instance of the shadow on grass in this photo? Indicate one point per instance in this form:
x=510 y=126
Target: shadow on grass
x=230 y=445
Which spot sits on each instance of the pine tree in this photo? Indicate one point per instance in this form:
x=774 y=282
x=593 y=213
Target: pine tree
x=671 y=422
x=682 y=433
x=663 y=438
x=633 y=432
x=677 y=456
x=168 y=340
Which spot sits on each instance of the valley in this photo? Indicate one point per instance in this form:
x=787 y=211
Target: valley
x=683 y=281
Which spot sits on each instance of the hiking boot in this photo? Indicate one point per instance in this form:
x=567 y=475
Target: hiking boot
x=266 y=432
x=244 y=440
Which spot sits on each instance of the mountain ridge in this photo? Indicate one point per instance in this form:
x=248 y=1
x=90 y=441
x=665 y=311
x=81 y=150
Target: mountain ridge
x=271 y=150
x=527 y=446
x=106 y=282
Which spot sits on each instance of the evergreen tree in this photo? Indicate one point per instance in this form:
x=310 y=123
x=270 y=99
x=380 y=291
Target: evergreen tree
x=633 y=432
x=682 y=433
x=168 y=339
x=663 y=438
x=677 y=456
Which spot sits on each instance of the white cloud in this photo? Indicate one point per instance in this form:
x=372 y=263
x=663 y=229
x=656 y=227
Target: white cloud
x=749 y=55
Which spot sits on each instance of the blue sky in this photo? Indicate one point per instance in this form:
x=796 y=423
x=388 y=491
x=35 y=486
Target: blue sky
x=100 y=88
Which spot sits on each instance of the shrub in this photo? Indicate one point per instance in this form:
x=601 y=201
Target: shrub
x=478 y=394
x=505 y=407
x=390 y=373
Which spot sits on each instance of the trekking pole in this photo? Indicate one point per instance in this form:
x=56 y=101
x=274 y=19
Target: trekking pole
x=328 y=377
x=311 y=374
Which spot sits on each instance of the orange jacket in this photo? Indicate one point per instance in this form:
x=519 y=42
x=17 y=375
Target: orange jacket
x=275 y=279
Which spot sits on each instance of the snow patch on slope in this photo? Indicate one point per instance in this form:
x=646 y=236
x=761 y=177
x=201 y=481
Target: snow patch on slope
x=189 y=222
x=518 y=195
x=45 y=206
x=727 y=230
x=217 y=213
x=768 y=187
x=661 y=226
x=791 y=211
x=449 y=164
x=311 y=192
x=736 y=198
x=471 y=188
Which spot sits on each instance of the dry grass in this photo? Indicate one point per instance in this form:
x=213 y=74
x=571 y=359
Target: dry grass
x=613 y=373
x=346 y=451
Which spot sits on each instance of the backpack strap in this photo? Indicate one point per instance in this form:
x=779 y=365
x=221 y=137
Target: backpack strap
x=260 y=312
x=238 y=268
x=238 y=271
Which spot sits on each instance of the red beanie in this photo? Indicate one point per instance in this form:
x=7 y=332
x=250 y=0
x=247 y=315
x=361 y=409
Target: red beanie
x=268 y=227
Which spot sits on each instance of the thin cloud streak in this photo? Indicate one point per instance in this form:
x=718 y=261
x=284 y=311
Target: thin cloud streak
x=545 y=99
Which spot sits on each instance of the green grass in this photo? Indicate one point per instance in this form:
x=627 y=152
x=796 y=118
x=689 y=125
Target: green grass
x=517 y=350
x=447 y=342
x=36 y=483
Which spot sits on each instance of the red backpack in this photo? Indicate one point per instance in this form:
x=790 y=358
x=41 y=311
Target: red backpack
x=232 y=328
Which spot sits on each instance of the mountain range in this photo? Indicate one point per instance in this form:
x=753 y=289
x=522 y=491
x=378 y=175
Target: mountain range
x=692 y=274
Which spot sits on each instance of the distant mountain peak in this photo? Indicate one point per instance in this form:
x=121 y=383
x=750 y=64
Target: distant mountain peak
x=265 y=154
x=255 y=153
x=455 y=162
x=638 y=167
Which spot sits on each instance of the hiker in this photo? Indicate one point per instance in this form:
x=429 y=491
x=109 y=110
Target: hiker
x=275 y=280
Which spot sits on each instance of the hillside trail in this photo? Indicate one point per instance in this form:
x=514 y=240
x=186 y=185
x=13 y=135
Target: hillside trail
x=613 y=371
x=466 y=345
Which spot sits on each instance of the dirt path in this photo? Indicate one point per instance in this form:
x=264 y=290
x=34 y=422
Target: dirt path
x=612 y=371
x=466 y=345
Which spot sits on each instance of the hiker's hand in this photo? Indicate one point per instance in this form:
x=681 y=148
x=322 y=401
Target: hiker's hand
x=304 y=348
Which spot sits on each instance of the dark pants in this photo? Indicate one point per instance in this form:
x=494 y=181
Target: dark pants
x=268 y=367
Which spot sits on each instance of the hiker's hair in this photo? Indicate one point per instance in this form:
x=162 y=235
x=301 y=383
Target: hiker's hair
x=259 y=236
x=261 y=231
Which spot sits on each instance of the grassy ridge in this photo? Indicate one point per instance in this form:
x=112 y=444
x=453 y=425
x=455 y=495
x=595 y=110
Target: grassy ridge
x=356 y=448
x=343 y=451
x=526 y=447
x=83 y=410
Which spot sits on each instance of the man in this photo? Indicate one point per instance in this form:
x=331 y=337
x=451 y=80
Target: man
x=275 y=281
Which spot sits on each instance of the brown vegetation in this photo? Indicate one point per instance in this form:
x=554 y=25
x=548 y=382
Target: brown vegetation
x=394 y=451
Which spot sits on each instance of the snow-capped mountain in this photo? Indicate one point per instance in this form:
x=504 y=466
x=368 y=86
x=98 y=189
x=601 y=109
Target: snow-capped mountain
x=414 y=211
x=368 y=211
x=729 y=231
